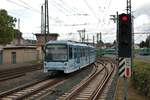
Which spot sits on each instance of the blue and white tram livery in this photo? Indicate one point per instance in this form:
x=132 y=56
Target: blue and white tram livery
x=67 y=56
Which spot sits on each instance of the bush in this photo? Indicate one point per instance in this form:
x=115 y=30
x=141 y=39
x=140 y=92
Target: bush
x=141 y=77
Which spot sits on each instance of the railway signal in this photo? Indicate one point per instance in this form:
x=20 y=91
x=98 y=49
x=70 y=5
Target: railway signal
x=125 y=35
x=125 y=44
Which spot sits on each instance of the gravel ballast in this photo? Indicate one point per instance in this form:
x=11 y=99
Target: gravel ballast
x=38 y=75
x=67 y=85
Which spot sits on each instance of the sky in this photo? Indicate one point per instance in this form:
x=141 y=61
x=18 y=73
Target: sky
x=66 y=17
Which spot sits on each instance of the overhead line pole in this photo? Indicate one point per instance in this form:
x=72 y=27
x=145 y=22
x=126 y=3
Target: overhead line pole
x=128 y=6
x=42 y=20
x=132 y=48
x=46 y=29
x=18 y=23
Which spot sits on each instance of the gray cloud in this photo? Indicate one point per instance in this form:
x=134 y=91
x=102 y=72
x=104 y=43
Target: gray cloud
x=145 y=9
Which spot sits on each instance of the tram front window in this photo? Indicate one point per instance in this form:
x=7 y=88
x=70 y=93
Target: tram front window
x=56 y=52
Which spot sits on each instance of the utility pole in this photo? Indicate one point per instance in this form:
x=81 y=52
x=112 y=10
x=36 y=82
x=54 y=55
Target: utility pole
x=82 y=35
x=128 y=6
x=99 y=37
x=115 y=19
x=46 y=29
x=42 y=20
x=18 y=23
x=93 y=40
x=99 y=40
x=130 y=59
x=87 y=38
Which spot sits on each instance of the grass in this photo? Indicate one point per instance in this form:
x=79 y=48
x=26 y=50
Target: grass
x=141 y=64
x=134 y=92
x=141 y=76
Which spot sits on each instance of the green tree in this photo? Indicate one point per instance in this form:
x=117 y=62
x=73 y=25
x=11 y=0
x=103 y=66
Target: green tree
x=7 y=31
x=145 y=43
x=142 y=44
x=17 y=34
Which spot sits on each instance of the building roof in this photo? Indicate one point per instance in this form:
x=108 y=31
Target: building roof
x=39 y=34
x=20 y=47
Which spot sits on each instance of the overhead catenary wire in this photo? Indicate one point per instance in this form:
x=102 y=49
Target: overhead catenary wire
x=66 y=10
x=75 y=10
x=103 y=18
x=63 y=8
x=57 y=5
x=89 y=7
x=58 y=8
x=31 y=9
x=28 y=5
x=18 y=4
x=106 y=8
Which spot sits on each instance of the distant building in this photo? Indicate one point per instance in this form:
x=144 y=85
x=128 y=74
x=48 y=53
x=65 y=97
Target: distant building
x=136 y=46
x=17 y=41
x=21 y=41
x=41 y=38
x=100 y=45
x=19 y=54
x=109 y=45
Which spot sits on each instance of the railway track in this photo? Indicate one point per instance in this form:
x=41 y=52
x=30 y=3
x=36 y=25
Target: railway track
x=91 y=88
x=28 y=91
x=36 y=90
x=17 y=72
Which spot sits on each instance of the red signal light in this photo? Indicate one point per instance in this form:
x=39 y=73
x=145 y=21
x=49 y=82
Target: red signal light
x=124 y=18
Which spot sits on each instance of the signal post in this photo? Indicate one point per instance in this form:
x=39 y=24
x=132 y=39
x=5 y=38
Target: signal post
x=125 y=49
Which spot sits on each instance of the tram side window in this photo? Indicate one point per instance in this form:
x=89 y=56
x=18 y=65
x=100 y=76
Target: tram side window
x=70 y=52
x=80 y=52
x=75 y=53
x=84 y=52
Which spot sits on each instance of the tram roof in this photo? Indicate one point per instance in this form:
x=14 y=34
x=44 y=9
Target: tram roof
x=68 y=42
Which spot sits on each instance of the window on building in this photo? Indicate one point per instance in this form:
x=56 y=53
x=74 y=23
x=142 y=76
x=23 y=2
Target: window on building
x=13 y=57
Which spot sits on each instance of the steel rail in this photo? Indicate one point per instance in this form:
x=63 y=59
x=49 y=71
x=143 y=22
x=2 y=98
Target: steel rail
x=27 y=91
x=80 y=86
x=101 y=86
x=16 y=72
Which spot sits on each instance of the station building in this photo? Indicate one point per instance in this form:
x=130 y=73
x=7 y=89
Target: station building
x=19 y=54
